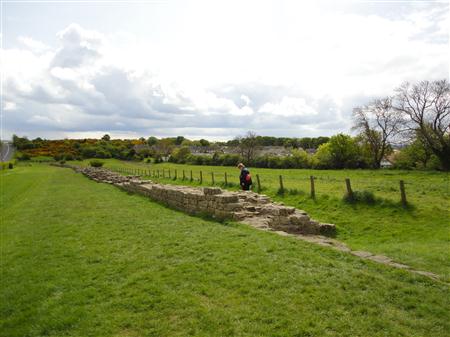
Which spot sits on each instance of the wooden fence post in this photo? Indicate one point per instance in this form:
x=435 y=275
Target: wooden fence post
x=175 y=175
x=169 y=174
x=184 y=176
x=313 y=189
x=258 y=187
x=349 y=188
x=403 y=193
x=157 y=171
x=164 y=173
x=212 y=178
x=281 y=184
x=201 y=177
x=226 y=179
x=192 y=178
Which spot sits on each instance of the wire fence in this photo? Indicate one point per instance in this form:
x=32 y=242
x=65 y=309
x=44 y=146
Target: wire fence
x=282 y=184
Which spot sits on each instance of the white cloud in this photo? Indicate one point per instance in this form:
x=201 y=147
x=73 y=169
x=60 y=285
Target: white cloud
x=33 y=45
x=288 y=107
x=297 y=70
x=9 y=106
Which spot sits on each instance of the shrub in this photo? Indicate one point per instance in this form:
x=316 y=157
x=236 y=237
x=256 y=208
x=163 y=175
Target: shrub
x=10 y=166
x=24 y=156
x=365 y=197
x=96 y=163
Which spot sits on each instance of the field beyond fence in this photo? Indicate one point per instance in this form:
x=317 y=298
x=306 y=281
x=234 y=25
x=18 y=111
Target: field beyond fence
x=383 y=184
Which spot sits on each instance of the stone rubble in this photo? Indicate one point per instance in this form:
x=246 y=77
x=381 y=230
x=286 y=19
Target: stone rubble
x=248 y=207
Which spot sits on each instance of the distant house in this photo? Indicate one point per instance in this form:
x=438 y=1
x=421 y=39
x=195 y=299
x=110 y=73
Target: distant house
x=389 y=160
x=279 y=151
x=385 y=163
x=203 y=150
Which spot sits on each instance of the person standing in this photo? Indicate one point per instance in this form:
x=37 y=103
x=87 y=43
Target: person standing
x=245 y=178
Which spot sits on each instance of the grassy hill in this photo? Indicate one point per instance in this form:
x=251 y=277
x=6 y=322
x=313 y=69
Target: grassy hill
x=86 y=259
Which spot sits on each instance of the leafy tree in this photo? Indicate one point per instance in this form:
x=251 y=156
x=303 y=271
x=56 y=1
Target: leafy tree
x=179 y=140
x=186 y=142
x=165 y=146
x=425 y=107
x=322 y=158
x=301 y=158
x=152 y=141
x=344 y=151
x=180 y=155
x=204 y=142
x=22 y=143
x=106 y=138
x=341 y=151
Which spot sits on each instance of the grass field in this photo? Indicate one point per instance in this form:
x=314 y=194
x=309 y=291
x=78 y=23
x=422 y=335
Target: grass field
x=418 y=235
x=86 y=259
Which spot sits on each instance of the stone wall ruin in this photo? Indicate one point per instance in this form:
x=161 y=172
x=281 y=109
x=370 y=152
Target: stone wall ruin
x=245 y=206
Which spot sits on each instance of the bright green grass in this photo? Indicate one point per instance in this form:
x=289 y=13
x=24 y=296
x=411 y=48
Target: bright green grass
x=418 y=236
x=86 y=259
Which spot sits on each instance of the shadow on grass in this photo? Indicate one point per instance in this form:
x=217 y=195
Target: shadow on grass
x=359 y=198
x=369 y=198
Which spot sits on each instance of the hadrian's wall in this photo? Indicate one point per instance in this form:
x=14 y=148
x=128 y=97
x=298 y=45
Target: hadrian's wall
x=248 y=207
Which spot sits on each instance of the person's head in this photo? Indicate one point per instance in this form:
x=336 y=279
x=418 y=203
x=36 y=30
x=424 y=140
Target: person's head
x=240 y=166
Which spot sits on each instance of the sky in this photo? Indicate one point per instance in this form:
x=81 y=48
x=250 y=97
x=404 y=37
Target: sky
x=209 y=69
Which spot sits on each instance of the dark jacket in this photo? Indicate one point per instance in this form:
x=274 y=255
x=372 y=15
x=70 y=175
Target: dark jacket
x=245 y=178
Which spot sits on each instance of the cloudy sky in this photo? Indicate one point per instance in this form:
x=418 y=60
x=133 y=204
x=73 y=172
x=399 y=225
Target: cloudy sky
x=210 y=69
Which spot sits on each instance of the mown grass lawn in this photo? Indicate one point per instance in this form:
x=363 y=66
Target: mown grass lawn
x=418 y=236
x=86 y=259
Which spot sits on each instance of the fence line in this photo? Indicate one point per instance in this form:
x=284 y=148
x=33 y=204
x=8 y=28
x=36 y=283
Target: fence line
x=347 y=184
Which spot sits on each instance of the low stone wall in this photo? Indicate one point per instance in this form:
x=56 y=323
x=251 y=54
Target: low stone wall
x=248 y=207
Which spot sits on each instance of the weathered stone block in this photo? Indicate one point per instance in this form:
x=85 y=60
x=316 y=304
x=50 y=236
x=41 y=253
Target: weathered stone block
x=299 y=219
x=211 y=190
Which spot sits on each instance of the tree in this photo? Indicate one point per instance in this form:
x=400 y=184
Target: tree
x=341 y=151
x=377 y=123
x=248 y=146
x=152 y=141
x=322 y=158
x=106 y=138
x=179 y=140
x=22 y=143
x=165 y=146
x=416 y=155
x=425 y=107
x=301 y=158
x=181 y=154
x=204 y=142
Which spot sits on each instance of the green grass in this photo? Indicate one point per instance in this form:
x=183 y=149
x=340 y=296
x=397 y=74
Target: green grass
x=86 y=259
x=418 y=235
